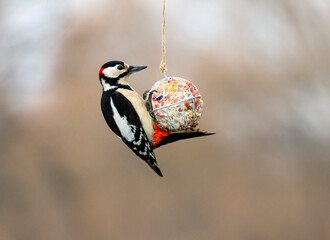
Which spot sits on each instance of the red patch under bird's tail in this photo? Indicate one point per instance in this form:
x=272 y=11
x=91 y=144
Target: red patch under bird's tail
x=161 y=138
x=158 y=136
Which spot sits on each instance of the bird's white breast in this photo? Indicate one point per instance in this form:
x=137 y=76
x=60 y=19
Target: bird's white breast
x=140 y=108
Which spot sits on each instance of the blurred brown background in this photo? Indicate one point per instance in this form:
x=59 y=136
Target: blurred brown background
x=263 y=68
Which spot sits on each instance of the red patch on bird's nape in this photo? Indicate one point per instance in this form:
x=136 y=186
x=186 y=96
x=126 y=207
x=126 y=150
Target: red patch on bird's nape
x=158 y=135
x=101 y=70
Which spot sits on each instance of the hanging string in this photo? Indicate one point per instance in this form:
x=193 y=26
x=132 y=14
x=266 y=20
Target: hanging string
x=163 y=67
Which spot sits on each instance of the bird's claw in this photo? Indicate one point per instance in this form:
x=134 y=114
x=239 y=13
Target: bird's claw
x=159 y=98
x=147 y=96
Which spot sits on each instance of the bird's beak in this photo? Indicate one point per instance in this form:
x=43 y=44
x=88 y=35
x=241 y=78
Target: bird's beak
x=132 y=69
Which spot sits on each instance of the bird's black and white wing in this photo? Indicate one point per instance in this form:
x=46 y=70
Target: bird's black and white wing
x=123 y=119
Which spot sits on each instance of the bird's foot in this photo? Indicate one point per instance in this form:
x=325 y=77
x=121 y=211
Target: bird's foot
x=147 y=96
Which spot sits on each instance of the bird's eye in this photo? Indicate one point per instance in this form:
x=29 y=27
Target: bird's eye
x=120 y=67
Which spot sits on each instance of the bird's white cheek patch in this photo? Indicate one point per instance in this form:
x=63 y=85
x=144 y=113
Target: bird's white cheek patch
x=112 y=72
x=126 y=130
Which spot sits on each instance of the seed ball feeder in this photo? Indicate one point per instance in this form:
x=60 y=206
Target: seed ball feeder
x=175 y=103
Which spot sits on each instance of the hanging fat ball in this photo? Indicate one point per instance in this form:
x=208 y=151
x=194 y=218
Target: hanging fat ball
x=175 y=104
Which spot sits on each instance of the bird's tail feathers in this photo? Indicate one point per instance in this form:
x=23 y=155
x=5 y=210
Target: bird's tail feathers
x=155 y=167
x=162 y=138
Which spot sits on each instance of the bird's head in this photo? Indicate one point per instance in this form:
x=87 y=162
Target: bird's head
x=116 y=73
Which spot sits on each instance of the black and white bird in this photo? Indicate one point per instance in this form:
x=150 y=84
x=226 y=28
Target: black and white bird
x=127 y=116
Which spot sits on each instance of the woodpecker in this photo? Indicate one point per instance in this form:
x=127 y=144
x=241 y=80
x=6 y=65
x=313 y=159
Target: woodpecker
x=126 y=113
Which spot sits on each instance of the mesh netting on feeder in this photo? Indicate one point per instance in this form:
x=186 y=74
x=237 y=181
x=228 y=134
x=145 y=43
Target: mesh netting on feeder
x=176 y=104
